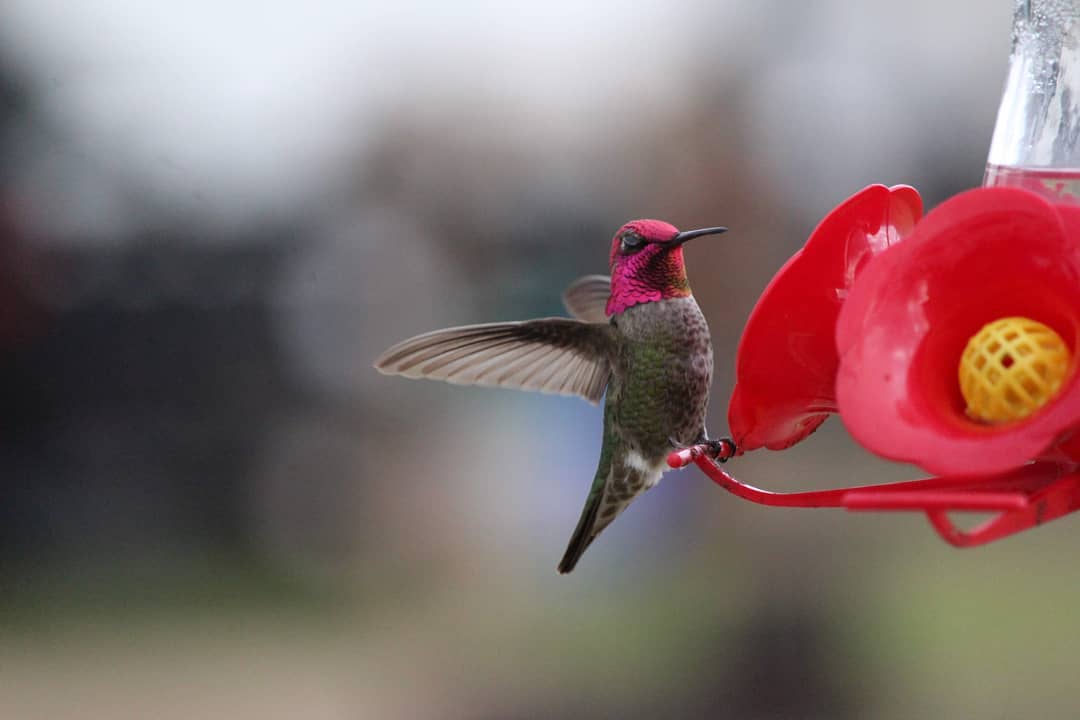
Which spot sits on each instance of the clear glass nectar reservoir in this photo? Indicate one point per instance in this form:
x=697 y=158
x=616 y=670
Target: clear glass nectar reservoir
x=1036 y=141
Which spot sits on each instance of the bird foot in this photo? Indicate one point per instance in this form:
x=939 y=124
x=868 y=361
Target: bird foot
x=720 y=449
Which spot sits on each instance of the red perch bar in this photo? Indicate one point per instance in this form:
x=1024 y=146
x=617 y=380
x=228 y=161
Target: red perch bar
x=1023 y=498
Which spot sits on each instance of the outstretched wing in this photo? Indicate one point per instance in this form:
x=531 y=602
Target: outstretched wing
x=551 y=355
x=586 y=298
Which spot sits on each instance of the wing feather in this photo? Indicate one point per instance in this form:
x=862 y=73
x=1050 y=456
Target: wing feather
x=586 y=298
x=525 y=371
x=551 y=355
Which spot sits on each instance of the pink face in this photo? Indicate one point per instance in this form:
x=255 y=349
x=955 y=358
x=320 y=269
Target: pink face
x=646 y=265
x=652 y=233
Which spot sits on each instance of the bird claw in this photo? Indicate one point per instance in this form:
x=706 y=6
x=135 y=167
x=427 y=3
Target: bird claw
x=719 y=449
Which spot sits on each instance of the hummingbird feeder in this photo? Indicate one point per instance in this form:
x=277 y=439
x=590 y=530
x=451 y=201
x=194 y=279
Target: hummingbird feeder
x=949 y=341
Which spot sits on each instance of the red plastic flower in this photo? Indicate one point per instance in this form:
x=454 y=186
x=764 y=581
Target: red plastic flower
x=982 y=255
x=787 y=362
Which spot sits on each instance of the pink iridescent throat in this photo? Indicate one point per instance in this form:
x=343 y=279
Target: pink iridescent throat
x=655 y=273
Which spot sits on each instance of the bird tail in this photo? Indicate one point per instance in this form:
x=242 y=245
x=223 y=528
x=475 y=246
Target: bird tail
x=583 y=533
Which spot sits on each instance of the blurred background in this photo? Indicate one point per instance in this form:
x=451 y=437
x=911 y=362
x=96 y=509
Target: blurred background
x=213 y=217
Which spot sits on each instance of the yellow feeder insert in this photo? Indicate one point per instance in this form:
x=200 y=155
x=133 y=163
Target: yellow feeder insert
x=1011 y=368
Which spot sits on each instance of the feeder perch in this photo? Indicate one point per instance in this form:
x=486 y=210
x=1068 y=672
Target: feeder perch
x=1025 y=498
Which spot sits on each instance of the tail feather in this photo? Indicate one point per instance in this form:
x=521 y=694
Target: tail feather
x=616 y=483
x=601 y=509
x=583 y=534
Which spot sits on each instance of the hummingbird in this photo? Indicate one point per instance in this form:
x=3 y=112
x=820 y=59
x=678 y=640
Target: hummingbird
x=637 y=334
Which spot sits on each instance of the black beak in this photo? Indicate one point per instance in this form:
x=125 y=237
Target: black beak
x=691 y=234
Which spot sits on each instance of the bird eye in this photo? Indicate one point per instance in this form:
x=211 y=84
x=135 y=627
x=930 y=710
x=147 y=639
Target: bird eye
x=631 y=243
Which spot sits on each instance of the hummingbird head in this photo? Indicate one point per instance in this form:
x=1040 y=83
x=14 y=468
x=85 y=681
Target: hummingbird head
x=647 y=263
